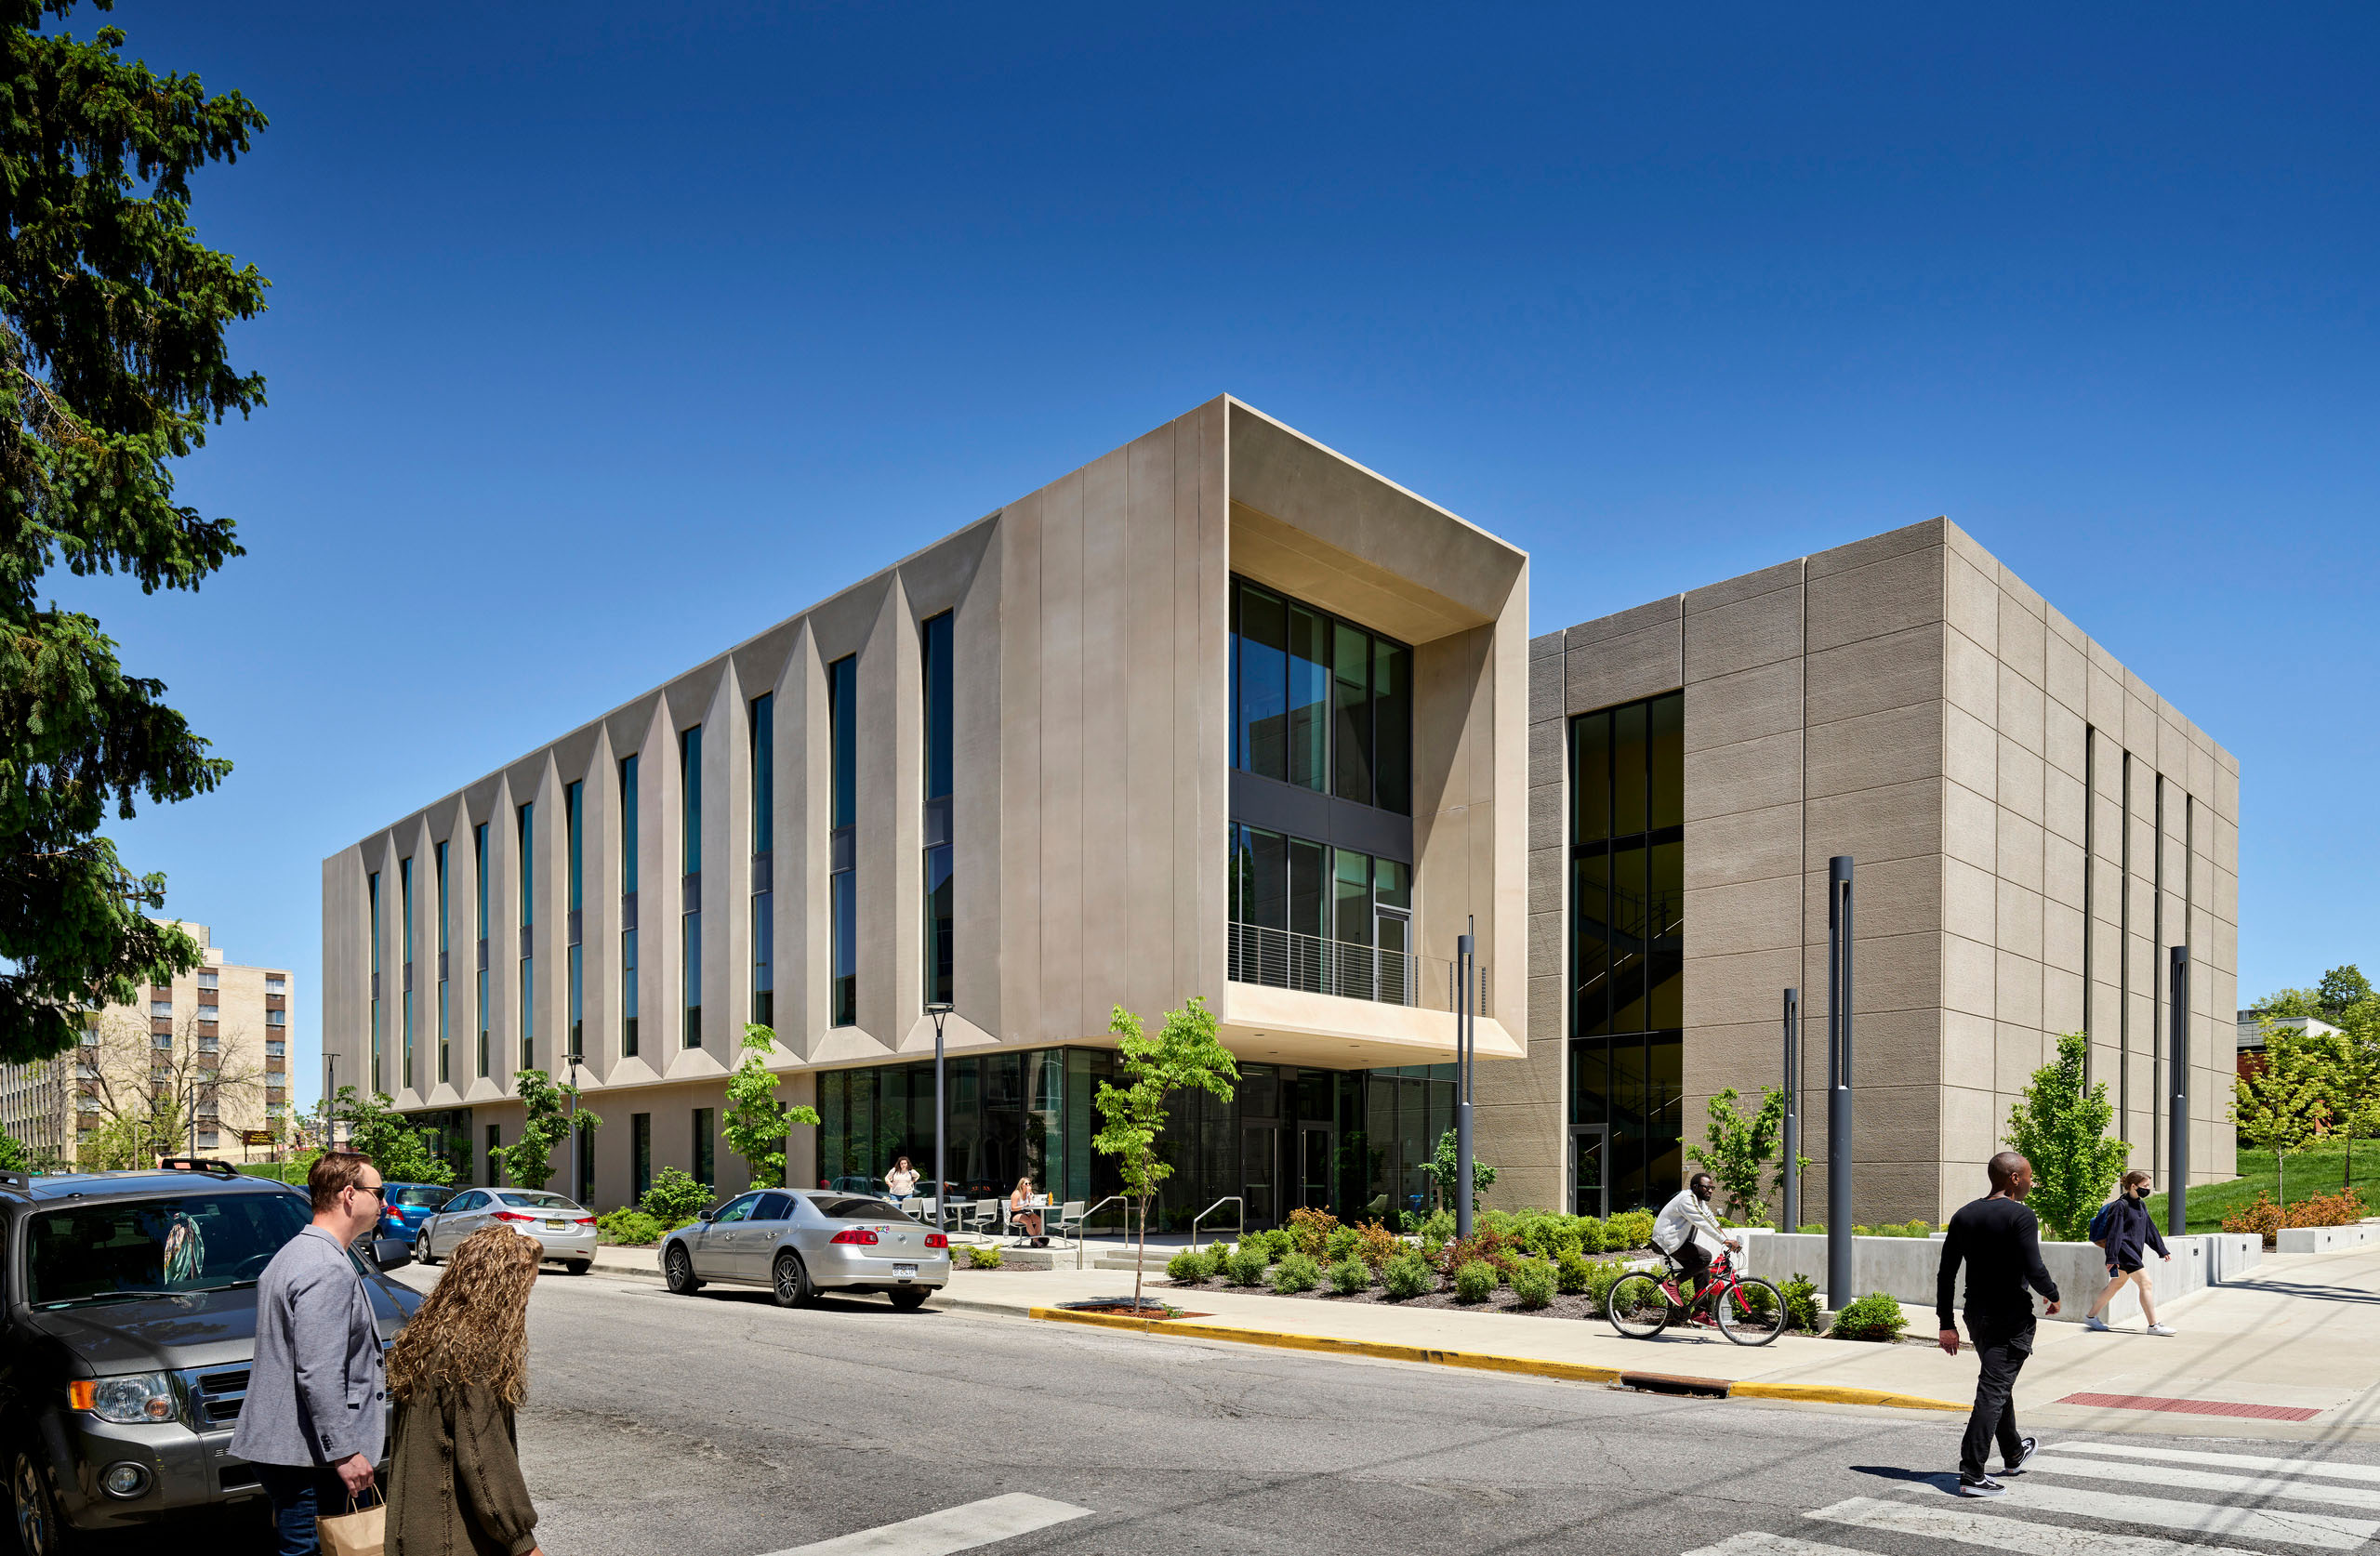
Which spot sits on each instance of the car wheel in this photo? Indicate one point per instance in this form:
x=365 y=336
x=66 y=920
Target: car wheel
x=39 y=1530
x=789 y=1282
x=677 y=1268
x=909 y=1300
x=422 y=1252
x=578 y=1266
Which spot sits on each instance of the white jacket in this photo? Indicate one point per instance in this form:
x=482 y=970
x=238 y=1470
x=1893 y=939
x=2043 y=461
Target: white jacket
x=1687 y=1217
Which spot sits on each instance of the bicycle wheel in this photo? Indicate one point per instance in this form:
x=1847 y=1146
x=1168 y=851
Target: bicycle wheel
x=1753 y=1313
x=1637 y=1306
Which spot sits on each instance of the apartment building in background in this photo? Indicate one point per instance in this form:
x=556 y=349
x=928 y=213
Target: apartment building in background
x=2032 y=827
x=1221 y=715
x=215 y=1039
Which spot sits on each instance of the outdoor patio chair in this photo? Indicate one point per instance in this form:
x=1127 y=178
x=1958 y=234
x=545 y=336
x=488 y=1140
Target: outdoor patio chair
x=983 y=1213
x=1069 y=1221
x=923 y=1210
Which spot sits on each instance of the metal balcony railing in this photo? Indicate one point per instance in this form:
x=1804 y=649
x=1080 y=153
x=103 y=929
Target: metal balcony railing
x=1283 y=959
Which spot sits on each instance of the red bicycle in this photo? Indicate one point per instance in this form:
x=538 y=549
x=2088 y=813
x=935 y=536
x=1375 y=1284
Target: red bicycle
x=1748 y=1311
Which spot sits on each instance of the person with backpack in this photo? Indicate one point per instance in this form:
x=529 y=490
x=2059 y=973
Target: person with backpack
x=2124 y=1229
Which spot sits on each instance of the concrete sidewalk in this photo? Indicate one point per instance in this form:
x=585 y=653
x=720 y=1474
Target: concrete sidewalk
x=2302 y=1335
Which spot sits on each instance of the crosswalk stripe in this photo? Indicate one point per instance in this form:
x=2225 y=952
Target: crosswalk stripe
x=2281 y=1526
x=2231 y=1461
x=2283 y=1486
x=1967 y=1526
x=951 y=1530
x=1754 y=1542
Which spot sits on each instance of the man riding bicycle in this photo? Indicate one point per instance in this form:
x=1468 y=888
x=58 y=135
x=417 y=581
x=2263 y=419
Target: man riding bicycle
x=1690 y=1234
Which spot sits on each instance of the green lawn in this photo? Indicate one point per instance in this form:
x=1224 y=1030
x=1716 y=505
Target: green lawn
x=2318 y=1169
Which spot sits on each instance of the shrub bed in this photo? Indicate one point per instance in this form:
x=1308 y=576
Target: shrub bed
x=2266 y=1219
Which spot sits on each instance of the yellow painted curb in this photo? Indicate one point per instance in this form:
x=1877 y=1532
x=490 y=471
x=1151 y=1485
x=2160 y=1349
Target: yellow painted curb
x=1823 y=1394
x=1379 y=1349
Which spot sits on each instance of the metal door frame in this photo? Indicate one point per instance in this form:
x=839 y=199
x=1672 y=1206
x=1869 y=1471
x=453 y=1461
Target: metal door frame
x=1330 y=1130
x=1602 y=1189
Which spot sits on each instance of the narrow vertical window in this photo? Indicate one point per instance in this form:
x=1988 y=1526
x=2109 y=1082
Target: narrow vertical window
x=2090 y=880
x=939 y=961
x=690 y=931
x=479 y=851
x=2157 y=1057
x=763 y=720
x=445 y=1068
x=586 y=1161
x=843 y=700
x=372 y=894
x=628 y=906
x=526 y=821
x=641 y=1152
x=495 y=1161
x=2124 y=953
x=574 y=820
x=405 y=995
x=705 y=1159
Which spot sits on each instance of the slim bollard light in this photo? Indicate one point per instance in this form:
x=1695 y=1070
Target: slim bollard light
x=2177 y=1133
x=1792 y=1211
x=1838 y=1082
x=1463 y=1085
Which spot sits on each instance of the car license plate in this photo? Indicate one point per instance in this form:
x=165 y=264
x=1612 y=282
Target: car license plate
x=907 y=1272
x=556 y=1226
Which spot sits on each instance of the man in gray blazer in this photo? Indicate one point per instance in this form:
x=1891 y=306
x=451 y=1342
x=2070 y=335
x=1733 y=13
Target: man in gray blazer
x=315 y=1419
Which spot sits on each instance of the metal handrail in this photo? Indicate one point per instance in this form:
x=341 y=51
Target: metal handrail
x=1238 y=1227
x=1086 y=1215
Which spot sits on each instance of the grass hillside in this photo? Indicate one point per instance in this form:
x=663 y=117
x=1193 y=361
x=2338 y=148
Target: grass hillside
x=2320 y=1169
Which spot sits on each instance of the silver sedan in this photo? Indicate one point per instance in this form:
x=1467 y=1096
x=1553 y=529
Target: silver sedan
x=799 y=1242
x=567 y=1230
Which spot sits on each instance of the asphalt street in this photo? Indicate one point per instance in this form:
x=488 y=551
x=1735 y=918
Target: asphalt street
x=721 y=1425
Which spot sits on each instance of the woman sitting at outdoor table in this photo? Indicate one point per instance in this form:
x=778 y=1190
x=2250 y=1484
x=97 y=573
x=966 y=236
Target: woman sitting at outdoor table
x=902 y=1181
x=1019 y=1215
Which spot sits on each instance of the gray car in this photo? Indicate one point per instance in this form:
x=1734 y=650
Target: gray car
x=567 y=1229
x=800 y=1242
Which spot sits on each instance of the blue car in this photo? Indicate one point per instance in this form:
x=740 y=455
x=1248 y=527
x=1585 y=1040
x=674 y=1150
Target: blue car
x=409 y=1205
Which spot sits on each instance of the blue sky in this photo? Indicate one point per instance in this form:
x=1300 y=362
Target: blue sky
x=571 y=303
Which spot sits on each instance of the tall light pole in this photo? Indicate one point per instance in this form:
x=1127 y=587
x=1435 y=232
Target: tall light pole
x=940 y=1010
x=1462 y=1029
x=1838 y=1082
x=571 y=1061
x=2177 y=1133
x=1792 y=1208
x=330 y=1083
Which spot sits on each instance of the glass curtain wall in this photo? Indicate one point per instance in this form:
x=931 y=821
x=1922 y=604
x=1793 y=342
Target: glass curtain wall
x=446 y=1073
x=763 y=720
x=575 y=818
x=1341 y=920
x=1318 y=702
x=479 y=853
x=1626 y=954
x=689 y=923
x=526 y=820
x=405 y=908
x=372 y=895
x=627 y=907
x=842 y=711
x=938 y=961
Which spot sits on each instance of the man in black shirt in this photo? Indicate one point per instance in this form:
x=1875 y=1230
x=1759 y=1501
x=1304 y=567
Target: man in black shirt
x=1999 y=1241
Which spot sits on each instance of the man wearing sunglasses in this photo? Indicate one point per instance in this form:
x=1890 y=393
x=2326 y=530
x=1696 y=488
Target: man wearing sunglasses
x=314 y=1422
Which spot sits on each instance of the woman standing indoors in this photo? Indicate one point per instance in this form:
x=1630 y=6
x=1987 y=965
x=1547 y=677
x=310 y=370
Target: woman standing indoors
x=456 y=1375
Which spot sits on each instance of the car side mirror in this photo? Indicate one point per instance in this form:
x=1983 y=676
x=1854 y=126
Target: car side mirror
x=391 y=1253
x=705 y=1215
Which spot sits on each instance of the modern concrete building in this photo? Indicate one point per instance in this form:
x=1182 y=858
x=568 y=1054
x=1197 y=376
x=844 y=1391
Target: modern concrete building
x=215 y=1040
x=2031 y=825
x=1220 y=715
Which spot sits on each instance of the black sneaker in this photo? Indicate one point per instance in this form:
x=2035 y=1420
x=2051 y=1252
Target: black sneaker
x=1980 y=1485
x=2016 y=1465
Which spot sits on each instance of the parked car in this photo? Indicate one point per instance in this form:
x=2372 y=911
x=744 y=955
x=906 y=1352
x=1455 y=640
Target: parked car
x=566 y=1230
x=799 y=1242
x=409 y=1205
x=856 y=1184
x=127 y=1326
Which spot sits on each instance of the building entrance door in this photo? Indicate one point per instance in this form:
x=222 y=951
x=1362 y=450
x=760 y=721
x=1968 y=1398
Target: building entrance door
x=1589 y=1193
x=1394 y=929
x=1260 y=1157
x=1318 y=1147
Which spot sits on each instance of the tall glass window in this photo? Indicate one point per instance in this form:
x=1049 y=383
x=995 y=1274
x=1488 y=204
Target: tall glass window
x=640 y=1153
x=1328 y=920
x=706 y=1162
x=445 y=1070
x=1318 y=702
x=574 y=819
x=689 y=929
x=628 y=906
x=940 y=962
x=479 y=853
x=1626 y=952
x=763 y=720
x=405 y=908
x=842 y=710
x=372 y=896
x=526 y=821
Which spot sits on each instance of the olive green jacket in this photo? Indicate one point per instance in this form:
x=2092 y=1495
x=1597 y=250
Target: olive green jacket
x=454 y=1485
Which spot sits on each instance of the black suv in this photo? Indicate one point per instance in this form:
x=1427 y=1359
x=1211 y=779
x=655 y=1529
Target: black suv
x=127 y=1323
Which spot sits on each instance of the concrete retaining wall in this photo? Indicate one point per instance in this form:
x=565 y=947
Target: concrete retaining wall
x=2326 y=1239
x=1906 y=1267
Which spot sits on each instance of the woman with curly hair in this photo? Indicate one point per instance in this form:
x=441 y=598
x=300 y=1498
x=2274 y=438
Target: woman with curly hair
x=456 y=1375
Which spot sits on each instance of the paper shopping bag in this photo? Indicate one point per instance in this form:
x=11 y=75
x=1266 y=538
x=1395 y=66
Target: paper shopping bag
x=357 y=1532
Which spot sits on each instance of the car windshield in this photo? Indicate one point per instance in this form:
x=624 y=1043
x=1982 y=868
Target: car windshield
x=835 y=1207
x=533 y=1201
x=134 y=1247
x=420 y=1196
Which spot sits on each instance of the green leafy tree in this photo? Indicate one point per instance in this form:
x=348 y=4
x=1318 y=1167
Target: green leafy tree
x=674 y=1198
x=2347 y=1074
x=529 y=1161
x=15 y=1155
x=2341 y=990
x=1445 y=1168
x=2060 y=1125
x=1736 y=1150
x=2280 y=1104
x=757 y=1121
x=404 y=1151
x=112 y=367
x=1183 y=1054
